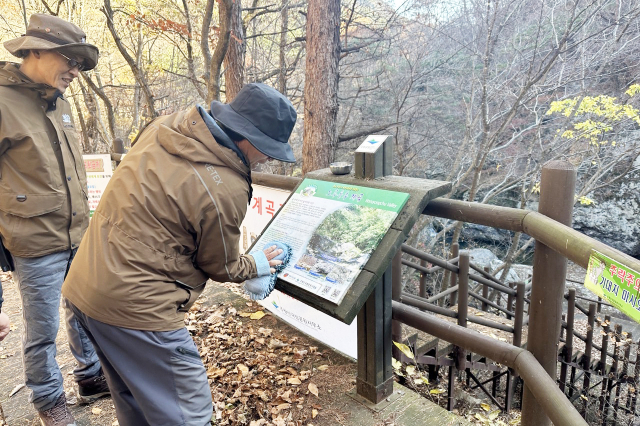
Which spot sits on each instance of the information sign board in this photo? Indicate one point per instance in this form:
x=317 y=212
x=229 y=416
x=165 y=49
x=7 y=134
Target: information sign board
x=328 y=330
x=99 y=171
x=333 y=229
x=614 y=282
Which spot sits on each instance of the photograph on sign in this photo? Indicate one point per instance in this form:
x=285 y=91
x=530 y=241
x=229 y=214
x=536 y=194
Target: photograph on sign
x=333 y=229
x=614 y=282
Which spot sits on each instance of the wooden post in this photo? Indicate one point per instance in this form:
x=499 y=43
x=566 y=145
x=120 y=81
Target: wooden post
x=375 y=374
x=396 y=291
x=625 y=368
x=518 y=320
x=603 y=363
x=510 y=301
x=557 y=188
x=568 y=347
x=459 y=353
x=453 y=297
x=423 y=280
x=586 y=364
x=636 y=379
x=485 y=293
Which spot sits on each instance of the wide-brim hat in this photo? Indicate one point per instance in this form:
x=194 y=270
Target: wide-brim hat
x=263 y=116
x=47 y=32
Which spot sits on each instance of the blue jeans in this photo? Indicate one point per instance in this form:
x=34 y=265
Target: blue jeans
x=39 y=280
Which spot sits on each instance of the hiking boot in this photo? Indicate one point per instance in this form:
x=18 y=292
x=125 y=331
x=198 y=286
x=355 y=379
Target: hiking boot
x=92 y=388
x=58 y=415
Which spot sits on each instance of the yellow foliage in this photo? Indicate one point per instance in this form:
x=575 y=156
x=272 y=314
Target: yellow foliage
x=598 y=115
x=585 y=201
x=633 y=90
x=536 y=188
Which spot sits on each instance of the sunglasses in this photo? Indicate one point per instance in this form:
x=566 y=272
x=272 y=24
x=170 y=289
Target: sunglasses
x=72 y=63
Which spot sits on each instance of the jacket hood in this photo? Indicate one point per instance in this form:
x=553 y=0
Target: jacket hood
x=10 y=75
x=186 y=135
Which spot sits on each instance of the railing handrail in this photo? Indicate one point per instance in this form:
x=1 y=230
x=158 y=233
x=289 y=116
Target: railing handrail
x=544 y=388
x=564 y=240
x=549 y=232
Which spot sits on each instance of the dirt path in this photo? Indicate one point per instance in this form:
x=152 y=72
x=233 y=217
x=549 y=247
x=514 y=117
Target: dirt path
x=329 y=408
x=16 y=408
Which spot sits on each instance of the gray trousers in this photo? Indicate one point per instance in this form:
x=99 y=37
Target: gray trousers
x=156 y=378
x=39 y=280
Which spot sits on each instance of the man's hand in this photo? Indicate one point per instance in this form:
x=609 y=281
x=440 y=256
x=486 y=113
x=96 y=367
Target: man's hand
x=4 y=325
x=271 y=252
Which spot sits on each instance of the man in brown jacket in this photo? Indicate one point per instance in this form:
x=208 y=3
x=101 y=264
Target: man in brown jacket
x=169 y=220
x=43 y=202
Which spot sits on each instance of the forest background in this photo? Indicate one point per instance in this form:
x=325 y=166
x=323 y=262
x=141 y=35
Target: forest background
x=481 y=93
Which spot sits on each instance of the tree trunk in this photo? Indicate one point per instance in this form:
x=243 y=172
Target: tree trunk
x=190 y=65
x=213 y=82
x=284 y=27
x=99 y=90
x=234 y=60
x=321 y=84
x=137 y=72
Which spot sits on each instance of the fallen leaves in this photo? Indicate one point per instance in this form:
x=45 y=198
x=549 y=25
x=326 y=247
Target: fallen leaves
x=257 y=315
x=404 y=349
x=258 y=377
x=313 y=389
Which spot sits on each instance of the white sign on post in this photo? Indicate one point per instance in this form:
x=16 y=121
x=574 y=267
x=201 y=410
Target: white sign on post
x=99 y=171
x=330 y=331
x=372 y=143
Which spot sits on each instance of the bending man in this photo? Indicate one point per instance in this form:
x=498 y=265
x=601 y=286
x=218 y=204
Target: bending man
x=168 y=221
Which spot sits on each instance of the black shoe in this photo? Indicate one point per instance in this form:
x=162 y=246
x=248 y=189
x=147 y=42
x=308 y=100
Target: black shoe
x=92 y=388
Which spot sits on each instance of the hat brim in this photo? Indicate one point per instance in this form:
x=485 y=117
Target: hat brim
x=19 y=46
x=260 y=141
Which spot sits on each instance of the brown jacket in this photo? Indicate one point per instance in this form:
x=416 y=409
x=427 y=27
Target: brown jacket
x=161 y=227
x=43 y=184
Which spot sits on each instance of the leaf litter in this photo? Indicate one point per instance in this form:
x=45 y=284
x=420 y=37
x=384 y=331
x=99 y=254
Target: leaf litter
x=262 y=373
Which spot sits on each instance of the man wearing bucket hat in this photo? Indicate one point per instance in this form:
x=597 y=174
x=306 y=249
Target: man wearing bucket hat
x=167 y=222
x=43 y=203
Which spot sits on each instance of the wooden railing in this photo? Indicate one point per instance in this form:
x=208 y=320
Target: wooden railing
x=544 y=389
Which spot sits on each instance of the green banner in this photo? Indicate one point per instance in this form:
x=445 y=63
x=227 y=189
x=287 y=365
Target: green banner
x=614 y=282
x=352 y=194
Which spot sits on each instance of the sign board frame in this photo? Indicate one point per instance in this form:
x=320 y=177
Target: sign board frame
x=420 y=191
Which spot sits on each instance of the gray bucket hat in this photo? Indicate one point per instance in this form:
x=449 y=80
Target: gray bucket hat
x=47 y=32
x=263 y=116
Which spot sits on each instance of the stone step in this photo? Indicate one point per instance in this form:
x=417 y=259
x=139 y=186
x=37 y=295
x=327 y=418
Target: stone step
x=403 y=408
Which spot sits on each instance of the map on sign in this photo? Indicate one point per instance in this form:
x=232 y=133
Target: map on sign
x=332 y=228
x=614 y=282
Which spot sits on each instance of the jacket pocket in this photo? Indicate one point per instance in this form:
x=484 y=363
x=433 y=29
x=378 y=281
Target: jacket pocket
x=192 y=292
x=31 y=205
